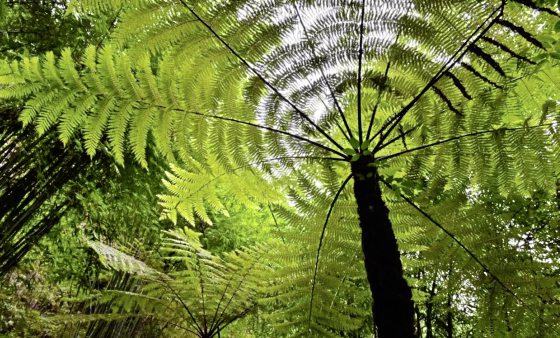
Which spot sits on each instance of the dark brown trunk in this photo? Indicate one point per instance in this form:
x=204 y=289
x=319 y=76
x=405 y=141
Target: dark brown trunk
x=429 y=311
x=449 y=326
x=393 y=308
x=418 y=321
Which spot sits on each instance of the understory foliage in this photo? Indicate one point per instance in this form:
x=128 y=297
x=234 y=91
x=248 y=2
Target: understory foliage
x=200 y=294
x=268 y=102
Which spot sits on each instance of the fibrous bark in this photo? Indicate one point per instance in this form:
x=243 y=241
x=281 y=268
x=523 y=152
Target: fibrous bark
x=393 y=308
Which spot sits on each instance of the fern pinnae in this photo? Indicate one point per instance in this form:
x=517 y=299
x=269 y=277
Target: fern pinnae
x=258 y=74
x=255 y=125
x=360 y=61
x=467 y=250
x=139 y=129
x=255 y=260
x=95 y=125
x=314 y=279
x=75 y=118
x=35 y=105
x=456 y=57
x=68 y=71
x=117 y=127
x=348 y=132
x=50 y=114
x=458 y=137
x=378 y=100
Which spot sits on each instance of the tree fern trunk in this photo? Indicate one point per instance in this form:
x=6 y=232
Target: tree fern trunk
x=393 y=308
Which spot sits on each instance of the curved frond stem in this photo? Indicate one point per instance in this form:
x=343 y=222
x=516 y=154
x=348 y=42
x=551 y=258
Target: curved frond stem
x=112 y=25
x=220 y=322
x=360 y=57
x=386 y=124
x=259 y=75
x=456 y=57
x=402 y=135
x=342 y=131
x=176 y=325
x=270 y=129
x=376 y=107
x=234 y=318
x=467 y=250
x=202 y=296
x=448 y=233
x=378 y=100
x=340 y=285
x=276 y=223
x=259 y=162
x=458 y=137
x=551 y=79
x=348 y=133
x=329 y=212
x=183 y=304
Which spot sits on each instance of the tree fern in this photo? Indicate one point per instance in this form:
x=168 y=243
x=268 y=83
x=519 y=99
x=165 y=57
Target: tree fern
x=201 y=294
x=366 y=82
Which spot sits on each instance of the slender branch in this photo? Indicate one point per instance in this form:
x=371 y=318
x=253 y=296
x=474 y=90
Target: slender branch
x=378 y=101
x=460 y=137
x=175 y=324
x=467 y=250
x=202 y=296
x=314 y=281
x=340 y=128
x=448 y=233
x=360 y=57
x=385 y=78
x=178 y=297
x=323 y=76
x=234 y=318
x=385 y=125
x=215 y=318
x=396 y=138
x=110 y=28
x=261 y=77
x=456 y=57
x=249 y=269
x=274 y=130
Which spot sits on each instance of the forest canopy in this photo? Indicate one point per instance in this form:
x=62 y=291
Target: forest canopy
x=267 y=168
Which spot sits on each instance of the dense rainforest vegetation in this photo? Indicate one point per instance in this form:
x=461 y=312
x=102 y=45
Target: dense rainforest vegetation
x=279 y=168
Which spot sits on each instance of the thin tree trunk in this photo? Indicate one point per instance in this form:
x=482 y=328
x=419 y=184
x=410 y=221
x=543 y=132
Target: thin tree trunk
x=418 y=321
x=429 y=311
x=393 y=308
x=449 y=326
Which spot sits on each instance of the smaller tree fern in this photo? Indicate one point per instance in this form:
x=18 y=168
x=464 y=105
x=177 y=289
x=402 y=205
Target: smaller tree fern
x=201 y=293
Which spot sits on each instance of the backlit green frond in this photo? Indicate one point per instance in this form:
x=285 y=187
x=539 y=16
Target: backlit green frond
x=120 y=261
x=339 y=302
x=192 y=193
x=202 y=293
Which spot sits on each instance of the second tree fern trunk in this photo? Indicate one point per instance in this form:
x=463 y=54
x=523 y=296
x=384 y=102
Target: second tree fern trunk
x=393 y=308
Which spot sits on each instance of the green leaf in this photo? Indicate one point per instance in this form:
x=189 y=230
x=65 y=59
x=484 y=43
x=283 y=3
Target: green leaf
x=365 y=144
x=349 y=151
x=355 y=143
x=540 y=57
x=555 y=55
x=355 y=157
